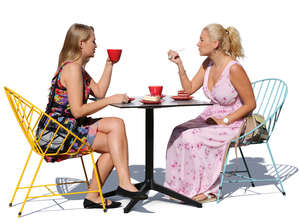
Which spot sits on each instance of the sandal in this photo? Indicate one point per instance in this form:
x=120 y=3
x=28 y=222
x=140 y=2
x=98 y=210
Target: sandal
x=209 y=198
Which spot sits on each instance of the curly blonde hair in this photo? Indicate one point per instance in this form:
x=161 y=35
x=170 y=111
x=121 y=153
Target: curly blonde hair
x=229 y=39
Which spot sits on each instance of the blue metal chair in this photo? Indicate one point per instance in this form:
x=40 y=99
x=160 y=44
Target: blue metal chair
x=270 y=95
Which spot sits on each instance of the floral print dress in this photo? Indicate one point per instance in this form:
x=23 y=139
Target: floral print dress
x=60 y=110
x=196 y=150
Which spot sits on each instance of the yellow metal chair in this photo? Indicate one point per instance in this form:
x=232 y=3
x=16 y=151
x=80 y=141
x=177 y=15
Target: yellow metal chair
x=28 y=117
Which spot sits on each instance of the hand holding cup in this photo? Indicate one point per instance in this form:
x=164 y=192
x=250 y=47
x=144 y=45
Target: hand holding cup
x=114 y=55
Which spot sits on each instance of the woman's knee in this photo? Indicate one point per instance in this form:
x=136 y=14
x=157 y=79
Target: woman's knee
x=117 y=124
x=111 y=124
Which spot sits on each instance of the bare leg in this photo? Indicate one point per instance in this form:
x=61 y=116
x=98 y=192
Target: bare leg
x=111 y=141
x=104 y=165
x=117 y=145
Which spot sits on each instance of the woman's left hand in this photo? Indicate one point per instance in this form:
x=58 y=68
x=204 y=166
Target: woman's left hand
x=217 y=121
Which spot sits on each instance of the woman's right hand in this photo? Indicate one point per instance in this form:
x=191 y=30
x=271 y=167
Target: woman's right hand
x=174 y=57
x=118 y=98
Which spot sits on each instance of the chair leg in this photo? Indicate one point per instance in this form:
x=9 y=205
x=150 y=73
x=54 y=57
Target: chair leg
x=84 y=170
x=222 y=177
x=277 y=174
x=29 y=189
x=20 y=179
x=245 y=163
x=99 y=183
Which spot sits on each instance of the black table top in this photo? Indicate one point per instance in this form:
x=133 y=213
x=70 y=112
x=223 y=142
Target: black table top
x=167 y=102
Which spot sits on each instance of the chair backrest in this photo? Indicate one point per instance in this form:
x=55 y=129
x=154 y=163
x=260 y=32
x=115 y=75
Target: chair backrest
x=29 y=116
x=270 y=95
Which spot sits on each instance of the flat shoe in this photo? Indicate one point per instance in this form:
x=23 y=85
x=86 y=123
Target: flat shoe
x=90 y=204
x=133 y=195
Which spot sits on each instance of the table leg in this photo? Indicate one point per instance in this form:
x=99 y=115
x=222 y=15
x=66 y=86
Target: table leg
x=149 y=145
x=149 y=183
x=145 y=187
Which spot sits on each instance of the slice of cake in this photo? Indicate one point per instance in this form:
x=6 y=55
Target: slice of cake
x=182 y=93
x=151 y=98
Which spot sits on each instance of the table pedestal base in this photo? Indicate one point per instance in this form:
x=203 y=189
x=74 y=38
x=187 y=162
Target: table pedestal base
x=151 y=185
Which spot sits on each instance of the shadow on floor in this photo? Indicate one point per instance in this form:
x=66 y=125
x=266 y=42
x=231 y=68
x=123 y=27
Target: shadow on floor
x=258 y=169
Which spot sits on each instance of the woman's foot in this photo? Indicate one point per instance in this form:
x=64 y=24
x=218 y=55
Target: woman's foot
x=91 y=201
x=131 y=193
x=129 y=187
x=205 y=197
x=108 y=204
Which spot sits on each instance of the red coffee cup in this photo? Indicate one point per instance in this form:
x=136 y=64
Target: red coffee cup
x=155 y=90
x=114 y=54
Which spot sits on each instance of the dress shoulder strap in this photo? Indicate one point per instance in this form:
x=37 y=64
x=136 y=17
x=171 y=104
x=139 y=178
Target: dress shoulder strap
x=61 y=67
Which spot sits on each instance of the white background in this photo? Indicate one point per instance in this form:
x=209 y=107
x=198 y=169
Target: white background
x=32 y=34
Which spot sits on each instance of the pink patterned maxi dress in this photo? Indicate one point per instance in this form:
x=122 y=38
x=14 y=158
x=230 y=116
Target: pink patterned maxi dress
x=195 y=149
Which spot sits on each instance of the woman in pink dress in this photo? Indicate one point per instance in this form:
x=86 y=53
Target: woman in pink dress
x=196 y=148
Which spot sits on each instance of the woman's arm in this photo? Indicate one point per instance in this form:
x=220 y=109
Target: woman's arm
x=72 y=80
x=192 y=86
x=242 y=84
x=189 y=86
x=99 y=89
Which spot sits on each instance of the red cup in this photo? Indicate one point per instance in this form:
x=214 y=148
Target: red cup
x=114 y=54
x=155 y=90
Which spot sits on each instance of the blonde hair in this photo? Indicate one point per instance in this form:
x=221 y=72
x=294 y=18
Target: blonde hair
x=71 y=50
x=229 y=39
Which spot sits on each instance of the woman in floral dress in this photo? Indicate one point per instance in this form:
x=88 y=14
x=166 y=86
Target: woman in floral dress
x=197 y=147
x=70 y=89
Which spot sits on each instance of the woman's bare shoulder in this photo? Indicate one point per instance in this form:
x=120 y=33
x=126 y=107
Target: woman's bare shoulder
x=238 y=75
x=237 y=71
x=71 y=72
x=71 y=69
